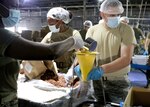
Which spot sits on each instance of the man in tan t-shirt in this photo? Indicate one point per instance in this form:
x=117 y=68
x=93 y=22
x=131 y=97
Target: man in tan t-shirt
x=146 y=45
x=116 y=42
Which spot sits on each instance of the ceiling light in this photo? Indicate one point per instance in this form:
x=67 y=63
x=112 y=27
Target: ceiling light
x=100 y=0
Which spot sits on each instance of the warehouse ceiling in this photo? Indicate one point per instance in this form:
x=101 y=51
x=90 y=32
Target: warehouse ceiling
x=136 y=10
x=74 y=3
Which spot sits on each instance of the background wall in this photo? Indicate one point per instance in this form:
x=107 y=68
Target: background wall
x=33 y=14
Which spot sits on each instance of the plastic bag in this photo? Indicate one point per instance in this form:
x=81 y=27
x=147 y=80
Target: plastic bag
x=83 y=93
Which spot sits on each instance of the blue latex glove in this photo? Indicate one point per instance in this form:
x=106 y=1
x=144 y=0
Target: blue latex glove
x=145 y=53
x=94 y=74
x=77 y=71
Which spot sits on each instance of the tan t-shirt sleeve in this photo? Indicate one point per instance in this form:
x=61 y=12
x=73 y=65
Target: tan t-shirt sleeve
x=148 y=35
x=128 y=36
x=89 y=33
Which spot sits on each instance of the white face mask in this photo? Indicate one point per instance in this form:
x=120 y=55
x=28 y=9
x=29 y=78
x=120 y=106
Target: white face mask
x=53 y=28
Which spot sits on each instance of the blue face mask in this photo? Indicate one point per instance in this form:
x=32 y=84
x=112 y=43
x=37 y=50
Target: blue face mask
x=12 y=19
x=113 y=22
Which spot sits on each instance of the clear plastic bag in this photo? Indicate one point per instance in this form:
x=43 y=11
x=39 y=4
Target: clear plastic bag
x=83 y=93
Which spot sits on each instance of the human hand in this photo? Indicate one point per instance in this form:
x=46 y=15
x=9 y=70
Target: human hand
x=77 y=71
x=78 y=43
x=145 y=53
x=69 y=74
x=95 y=74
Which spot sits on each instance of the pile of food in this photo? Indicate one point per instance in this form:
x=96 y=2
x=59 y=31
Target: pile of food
x=57 y=80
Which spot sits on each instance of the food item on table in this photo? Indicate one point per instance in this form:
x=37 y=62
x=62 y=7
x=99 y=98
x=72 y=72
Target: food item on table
x=58 y=81
x=61 y=82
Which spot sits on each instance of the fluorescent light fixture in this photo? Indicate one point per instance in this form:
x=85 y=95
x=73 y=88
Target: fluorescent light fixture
x=100 y=1
x=20 y=29
x=26 y=1
x=10 y=28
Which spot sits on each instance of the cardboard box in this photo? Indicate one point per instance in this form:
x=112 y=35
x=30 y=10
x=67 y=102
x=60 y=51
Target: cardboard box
x=33 y=69
x=138 y=97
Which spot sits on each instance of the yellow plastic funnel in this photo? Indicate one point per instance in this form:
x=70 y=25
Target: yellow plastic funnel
x=86 y=62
